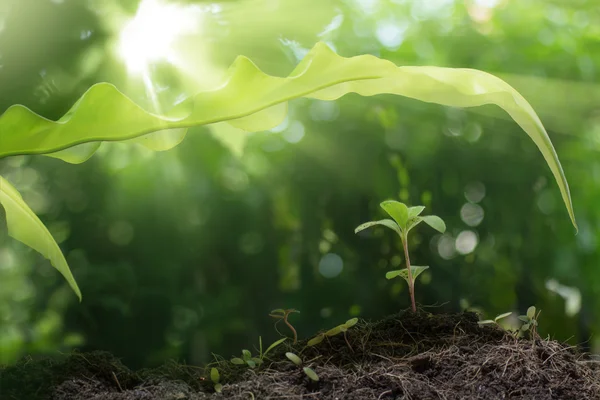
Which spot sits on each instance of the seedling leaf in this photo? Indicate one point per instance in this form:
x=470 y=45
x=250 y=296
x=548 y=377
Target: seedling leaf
x=525 y=327
x=316 y=340
x=486 y=322
x=414 y=211
x=351 y=322
x=499 y=317
x=385 y=222
x=246 y=354
x=294 y=358
x=435 y=222
x=403 y=273
x=218 y=388
x=251 y=363
x=273 y=345
x=311 y=374
x=398 y=211
x=335 y=331
x=531 y=312
x=215 y=377
x=524 y=318
x=237 y=361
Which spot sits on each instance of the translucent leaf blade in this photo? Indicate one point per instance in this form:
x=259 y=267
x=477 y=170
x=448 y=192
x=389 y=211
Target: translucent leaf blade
x=398 y=211
x=415 y=211
x=384 y=222
x=105 y=114
x=435 y=222
x=26 y=227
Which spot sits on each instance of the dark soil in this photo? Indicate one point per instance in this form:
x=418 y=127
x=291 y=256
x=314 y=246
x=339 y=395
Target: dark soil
x=409 y=356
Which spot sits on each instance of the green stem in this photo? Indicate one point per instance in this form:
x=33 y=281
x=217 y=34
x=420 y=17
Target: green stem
x=411 y=284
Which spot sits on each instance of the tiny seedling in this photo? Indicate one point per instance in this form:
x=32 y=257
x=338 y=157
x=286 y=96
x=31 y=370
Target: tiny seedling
x=249 y=360
x=215 y=377
x=282 y=315
x=312 y=375
x=530 y=321
x=343 y=328
x=404 y=219
x=495 y=320
x=309 y=372
x=294 y=358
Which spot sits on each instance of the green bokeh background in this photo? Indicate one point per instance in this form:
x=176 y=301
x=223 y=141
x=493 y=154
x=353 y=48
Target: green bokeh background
x=183 y=253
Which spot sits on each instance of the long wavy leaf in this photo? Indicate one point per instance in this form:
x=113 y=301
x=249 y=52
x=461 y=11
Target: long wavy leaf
x=105 y=114
x=26 y=227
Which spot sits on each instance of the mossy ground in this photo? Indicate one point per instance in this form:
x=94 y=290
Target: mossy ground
x=408 y=356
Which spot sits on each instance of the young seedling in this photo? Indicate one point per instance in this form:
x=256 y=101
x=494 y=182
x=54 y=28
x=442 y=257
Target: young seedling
x=215 y=377
x=495 y=320
x=251 y=361
x=530 y=321
x=282 y=315
x=309 y=372
x=404 y=219
x=343 y=328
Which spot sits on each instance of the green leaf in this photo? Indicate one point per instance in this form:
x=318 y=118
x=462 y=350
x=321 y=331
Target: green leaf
x=237 y=361
x=215 y=377
x=335 y=331
x=486 y=322
x=350 y=323
x=218 y=388
x=499 y=317
x=246 y=354
x=413 y=222
x=294 y=358
x=251 y=363
x=273 y=345
x=311 y=374
x=256 y=360
x=525 y=327
x=403 y=273
x=385 y=222
x=26 y=227
x=105 y=114
x=398 y=211
x=435 y=222
x=524 y=318
x=415 y=211
x=316 y=340
x=398 y=272
x=531 y=312
x=278 y=311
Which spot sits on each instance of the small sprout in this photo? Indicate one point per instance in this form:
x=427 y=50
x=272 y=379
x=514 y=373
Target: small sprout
x=530 y=321
x=251 y=361
x=404 y=219
x=215 y=377
x=495 y=320
x=343 y=328
x=312 y=375
x=294 y=358
x=316 y=340
x=282 y=315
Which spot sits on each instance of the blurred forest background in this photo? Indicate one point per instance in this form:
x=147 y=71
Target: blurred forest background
x=183 y=253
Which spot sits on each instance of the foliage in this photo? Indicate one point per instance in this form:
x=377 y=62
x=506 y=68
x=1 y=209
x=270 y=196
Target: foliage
x=342 y=328
x=404 y=219
x=253 y=101
x=495 y=320
x=530 y=321
x=215 y=377
x=249 y=360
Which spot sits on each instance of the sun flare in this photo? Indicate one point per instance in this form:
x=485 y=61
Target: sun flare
x=149 y=36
